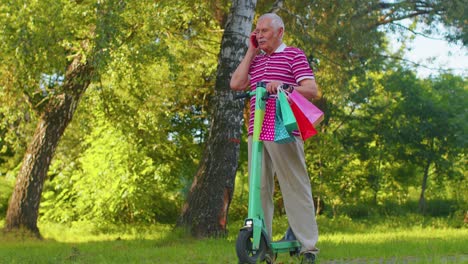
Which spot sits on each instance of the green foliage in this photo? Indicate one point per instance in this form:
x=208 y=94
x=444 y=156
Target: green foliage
x=136 y=140
x=401 y=124
x=115 y=182
x=6 y=188
x=435 y=208
x=16 y=128
x=453 y=15
x=153 y=96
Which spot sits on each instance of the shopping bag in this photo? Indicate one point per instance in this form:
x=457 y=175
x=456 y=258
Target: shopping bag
x=311 y=112
x=281 y=133
x=267 y=133
x=306 y=128
x=287 y=115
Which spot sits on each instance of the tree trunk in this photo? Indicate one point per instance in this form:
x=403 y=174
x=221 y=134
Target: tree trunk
x=206 y=209
x=24 y=203
x=422 y=199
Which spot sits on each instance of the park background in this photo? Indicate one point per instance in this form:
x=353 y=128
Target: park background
x=118 y=121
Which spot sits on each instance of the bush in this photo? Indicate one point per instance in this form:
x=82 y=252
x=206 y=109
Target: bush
x=440 y=208
x=6 y=188
x=361 y=210
x=113 y=181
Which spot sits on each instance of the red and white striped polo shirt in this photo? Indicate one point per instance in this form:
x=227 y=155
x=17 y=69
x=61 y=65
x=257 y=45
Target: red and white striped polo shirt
x=288 y=65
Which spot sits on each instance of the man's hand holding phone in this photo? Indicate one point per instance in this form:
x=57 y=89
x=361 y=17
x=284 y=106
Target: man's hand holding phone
x=253 y=40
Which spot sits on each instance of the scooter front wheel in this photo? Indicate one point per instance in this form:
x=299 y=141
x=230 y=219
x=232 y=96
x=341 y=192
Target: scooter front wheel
x=244 y=250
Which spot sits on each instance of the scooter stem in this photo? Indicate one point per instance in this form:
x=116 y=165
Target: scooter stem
x=255 y=211
x=255 y=206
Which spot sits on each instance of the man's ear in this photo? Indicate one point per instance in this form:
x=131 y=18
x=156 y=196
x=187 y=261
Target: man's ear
x=281 y=32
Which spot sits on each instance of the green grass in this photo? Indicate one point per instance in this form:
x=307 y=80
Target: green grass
x=424 y=243
x=409 y=240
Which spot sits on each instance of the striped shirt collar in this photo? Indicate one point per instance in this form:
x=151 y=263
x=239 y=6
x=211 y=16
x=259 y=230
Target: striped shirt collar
x=280 y=48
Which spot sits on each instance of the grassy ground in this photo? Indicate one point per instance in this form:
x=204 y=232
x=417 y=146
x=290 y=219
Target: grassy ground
x=341 y=241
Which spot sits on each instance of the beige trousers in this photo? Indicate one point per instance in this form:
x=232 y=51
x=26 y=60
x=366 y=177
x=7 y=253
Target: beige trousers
x=287 y=162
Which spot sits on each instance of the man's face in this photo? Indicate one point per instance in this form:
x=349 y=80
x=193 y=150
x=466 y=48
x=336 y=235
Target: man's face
x=267 y=36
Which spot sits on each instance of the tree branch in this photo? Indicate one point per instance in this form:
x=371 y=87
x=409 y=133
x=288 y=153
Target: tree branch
x=277 y=6
x=398 y=18
x=415 y=32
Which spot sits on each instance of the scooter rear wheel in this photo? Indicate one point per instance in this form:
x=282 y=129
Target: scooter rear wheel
x=244 y=250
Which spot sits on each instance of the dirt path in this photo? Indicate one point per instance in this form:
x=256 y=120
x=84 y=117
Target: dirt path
x=400 y=260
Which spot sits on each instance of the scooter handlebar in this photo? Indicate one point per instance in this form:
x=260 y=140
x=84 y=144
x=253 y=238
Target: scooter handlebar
x=252 y=93
x=242 y=95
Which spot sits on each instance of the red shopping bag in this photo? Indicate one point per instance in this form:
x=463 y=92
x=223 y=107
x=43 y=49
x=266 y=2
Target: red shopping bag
x=306 y=128
x=310 y=111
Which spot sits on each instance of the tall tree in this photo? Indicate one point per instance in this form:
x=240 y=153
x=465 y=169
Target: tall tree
x=206 y=209
x=167 y=140
x=54 y=67
x=24 y=203
x=429 y=125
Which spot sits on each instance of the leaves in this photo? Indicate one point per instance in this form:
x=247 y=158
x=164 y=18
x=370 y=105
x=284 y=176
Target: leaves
x=132 y=150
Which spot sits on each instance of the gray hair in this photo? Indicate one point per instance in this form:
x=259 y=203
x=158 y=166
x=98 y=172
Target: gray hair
x=276 y=20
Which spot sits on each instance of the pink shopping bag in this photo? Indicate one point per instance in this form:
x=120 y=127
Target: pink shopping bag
x=310 y=111
x=267 y=132
x=306 y=128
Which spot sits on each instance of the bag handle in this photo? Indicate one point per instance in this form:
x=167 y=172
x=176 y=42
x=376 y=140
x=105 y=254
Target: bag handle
x=286 y=88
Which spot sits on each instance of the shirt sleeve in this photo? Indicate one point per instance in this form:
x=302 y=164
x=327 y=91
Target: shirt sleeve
x=301 y=68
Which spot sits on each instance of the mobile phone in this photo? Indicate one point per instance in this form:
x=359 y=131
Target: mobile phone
x=253 y=40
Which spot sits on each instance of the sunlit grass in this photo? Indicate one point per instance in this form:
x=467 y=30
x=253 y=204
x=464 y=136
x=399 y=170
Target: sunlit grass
x=341 y=240
x=404 y=242
x=85 y=232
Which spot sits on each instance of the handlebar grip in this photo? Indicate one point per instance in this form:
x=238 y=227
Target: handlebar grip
x=242 y=95
x=286 y=86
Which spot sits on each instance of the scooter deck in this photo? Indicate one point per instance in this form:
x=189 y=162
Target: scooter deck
x=285 y=246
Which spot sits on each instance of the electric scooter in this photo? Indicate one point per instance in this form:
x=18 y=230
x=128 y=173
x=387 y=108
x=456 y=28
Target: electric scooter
x=253 y=243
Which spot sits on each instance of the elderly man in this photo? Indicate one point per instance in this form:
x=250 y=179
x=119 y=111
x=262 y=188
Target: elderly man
x=269 y=60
